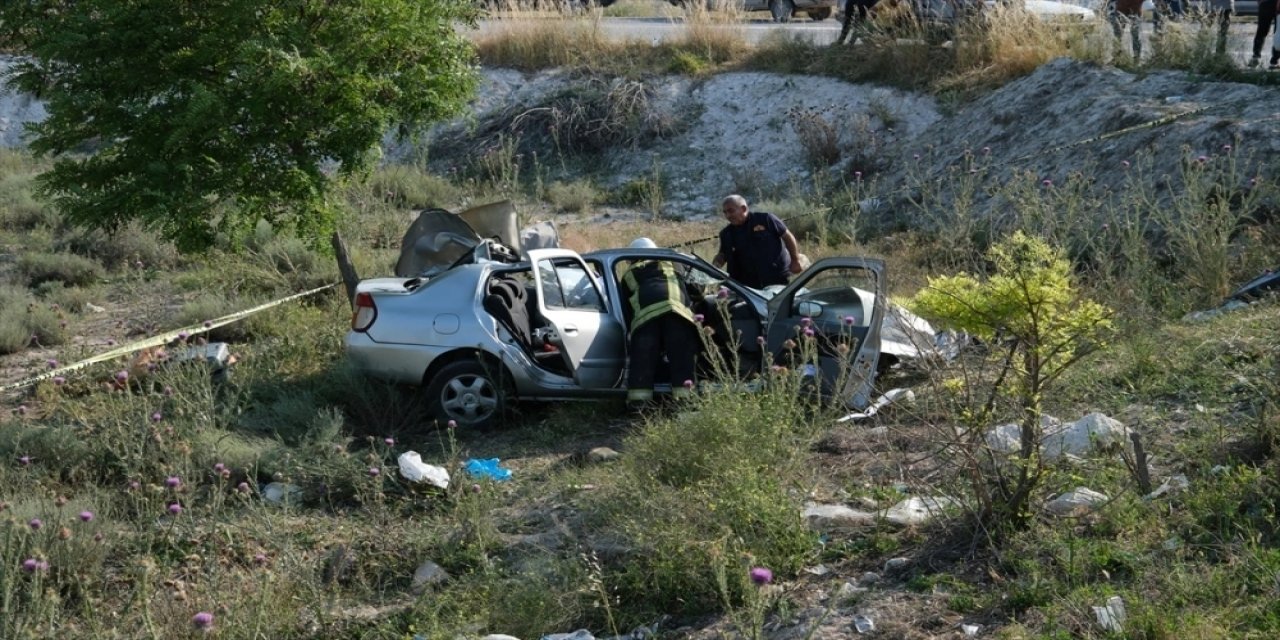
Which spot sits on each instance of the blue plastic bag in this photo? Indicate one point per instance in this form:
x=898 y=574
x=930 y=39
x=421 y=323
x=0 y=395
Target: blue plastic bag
x=487 y=468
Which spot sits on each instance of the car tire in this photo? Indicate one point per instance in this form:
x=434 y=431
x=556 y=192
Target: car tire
x=468 y=392
x=782 y=10
x=818 y=15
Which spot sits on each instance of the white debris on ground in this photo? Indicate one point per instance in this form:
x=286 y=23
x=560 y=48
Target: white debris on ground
x=1077 y=502
x=1094 y=432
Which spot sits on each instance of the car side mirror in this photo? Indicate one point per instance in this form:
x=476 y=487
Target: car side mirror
x=808 y=309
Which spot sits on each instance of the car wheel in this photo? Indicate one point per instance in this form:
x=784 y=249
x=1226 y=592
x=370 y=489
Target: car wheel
x=818 y=15
x=467 y=392
x=782 y=10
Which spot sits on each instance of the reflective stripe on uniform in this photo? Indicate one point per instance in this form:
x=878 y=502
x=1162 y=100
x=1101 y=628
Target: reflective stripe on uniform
x=673 y=301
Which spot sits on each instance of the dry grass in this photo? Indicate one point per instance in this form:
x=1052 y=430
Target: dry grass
x=556 y=41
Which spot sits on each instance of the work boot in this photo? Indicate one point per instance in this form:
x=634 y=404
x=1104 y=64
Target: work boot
x=1275 y=60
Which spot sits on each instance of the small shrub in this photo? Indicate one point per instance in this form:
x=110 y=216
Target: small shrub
x=23 y=325
x=72 y=299
x=68 y=268
x=572 y=197
x=19 y=209
x=819 y=137
x=409 y=187
x=129 y=247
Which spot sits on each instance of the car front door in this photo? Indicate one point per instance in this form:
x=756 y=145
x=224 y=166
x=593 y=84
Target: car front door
x=571 y=301
x=827 y=322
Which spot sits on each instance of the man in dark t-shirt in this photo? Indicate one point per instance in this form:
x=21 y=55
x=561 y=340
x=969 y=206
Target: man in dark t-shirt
x=757 y=246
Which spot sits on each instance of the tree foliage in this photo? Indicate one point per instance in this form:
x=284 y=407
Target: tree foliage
x=202 y=117
x=1038 y=325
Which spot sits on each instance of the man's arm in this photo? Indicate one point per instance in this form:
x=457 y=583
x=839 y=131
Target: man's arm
x=789 y=239
x=719 y=261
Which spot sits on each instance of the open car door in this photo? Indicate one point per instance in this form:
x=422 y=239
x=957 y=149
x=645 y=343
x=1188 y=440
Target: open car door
x=841 y=302
x=572 y=301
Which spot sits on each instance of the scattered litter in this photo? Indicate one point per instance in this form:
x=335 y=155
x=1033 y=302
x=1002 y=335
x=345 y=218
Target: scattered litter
x=917 y=510
x=889 y=397
x=970 y=630
x=863 y=624
x=820 y=570
x=415 y=470
x=849 y=590
x=580 y=634
x=487 y=468
x=1252 y=290
x=1077 y=502
x=1175 y=483
x=869 y=577
x=281 y=493
x=1111 y=615
x=895 y=564
x=93 y=308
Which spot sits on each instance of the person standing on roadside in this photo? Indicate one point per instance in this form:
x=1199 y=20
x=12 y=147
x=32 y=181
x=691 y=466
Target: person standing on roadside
x=1266 y=23
x=757 y=246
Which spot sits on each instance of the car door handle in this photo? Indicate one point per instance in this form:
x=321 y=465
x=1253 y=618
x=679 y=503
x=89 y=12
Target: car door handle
x=570 y=330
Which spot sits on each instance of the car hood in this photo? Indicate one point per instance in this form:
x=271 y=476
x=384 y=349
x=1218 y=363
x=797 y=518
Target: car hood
x=439 y=238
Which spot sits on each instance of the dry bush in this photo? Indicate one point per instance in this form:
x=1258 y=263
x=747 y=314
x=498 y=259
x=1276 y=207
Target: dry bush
x=819 y=136
x=717 y=36
x=1005 y=43
x=572 y=197
x=547 y=43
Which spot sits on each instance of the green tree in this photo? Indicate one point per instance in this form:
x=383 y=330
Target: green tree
x=1038 y=325
x=202 y=117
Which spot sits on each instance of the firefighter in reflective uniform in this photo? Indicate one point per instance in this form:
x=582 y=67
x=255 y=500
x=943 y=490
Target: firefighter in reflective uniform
x=661 y=322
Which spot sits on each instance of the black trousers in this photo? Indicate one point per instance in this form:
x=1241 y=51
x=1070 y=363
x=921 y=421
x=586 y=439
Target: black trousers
x=1266 y=21
x=670 y=334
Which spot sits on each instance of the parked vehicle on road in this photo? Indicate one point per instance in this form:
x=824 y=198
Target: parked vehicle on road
x=478 y=324
x=780 y=10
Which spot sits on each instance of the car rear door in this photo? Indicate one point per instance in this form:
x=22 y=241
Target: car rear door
x=827 y=321
x=572 y=302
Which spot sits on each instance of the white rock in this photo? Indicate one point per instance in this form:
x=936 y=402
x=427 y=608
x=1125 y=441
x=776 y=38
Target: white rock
x=281 y=493
x=1111 y=615
x=415 y=470
x=1079 y=438
x=1077 y=502
x=427 y=574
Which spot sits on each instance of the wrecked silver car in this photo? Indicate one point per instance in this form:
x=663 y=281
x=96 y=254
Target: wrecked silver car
x=479 y=323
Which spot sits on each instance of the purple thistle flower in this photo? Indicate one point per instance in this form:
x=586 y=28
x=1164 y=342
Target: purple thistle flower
x=915 y=156
x=173 y=482
x=122 y=375
x=1202 y=159
x=857 y=175
x=760 y=340
x=389 y=441
x=35 y=524
x=804 y=322
x=86 y=516
x=243 y=487
x=374 y=472
x=808 y=332
x=53 y=364
x=175 y=508
x=168 y=391
x=156 y=417
x=24 y=460
x=134 y=485
x=1124 y=163
x=849 y=320
x=452 y=424
x=986 y=151
x=722 y=293
x=183 y=335
x=202 y=621
x=138 y=264
x=58 y=381
x=688 y=384
x=110 y=342
x=208 y=323
x=1226 y=148
x=475 y=488
x=1046 y=182
x=761 y=575
x=30 y=565
x=260 y=559
x=22 y=409
x=698 y=318
x=217 y=468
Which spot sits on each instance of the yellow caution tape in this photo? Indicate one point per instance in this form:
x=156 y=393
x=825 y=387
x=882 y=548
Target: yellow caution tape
x=159 y=340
